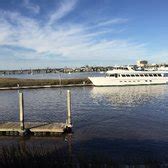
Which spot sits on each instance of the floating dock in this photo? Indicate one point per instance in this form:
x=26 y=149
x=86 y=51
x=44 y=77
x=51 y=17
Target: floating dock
x=44 y=86
x=33 y=128
x=23 y=128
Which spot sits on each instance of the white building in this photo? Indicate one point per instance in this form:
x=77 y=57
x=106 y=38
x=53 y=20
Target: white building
x=142 y=63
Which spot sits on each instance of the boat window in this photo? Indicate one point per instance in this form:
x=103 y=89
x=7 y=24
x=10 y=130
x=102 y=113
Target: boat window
x=116 y=75
x=154 y=74
x=166 y=74
x=127 y=75
x=159 y=75
x=111 y=75
x=132 y=75
x=141 y=74
x=150 y=75
x=146 y=75
x=137 y=75
x=123 y=75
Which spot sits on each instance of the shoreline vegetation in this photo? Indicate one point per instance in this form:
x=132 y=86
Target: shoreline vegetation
x=23 y=156
x=17 y=83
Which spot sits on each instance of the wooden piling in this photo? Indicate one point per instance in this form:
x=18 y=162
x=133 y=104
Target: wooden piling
x=69 y=108
x=21 y=111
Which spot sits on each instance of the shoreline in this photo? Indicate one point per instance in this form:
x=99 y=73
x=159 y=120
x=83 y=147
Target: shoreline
x=17 y=83
x=45 y=86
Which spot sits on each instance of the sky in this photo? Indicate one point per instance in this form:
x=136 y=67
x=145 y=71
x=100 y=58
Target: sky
x=73 y=33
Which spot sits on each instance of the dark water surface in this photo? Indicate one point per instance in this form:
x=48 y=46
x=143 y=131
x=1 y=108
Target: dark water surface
x=121 y=123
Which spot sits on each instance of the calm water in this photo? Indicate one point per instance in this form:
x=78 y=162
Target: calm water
x=54 y=75
x=120 y=122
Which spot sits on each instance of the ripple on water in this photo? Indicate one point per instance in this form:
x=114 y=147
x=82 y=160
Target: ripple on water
x=100 y=114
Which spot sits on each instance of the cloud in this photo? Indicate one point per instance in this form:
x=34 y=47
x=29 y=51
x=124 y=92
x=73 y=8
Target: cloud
x=30 y=6
x=112 y=21
x=24 y=38
x=64 y=8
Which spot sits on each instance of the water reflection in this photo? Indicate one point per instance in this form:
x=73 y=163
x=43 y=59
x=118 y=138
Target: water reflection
x=48 y=151
x=113 y=121
x=129 y=96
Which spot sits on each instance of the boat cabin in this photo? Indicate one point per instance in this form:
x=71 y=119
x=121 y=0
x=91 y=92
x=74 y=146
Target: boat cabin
x=136 y=74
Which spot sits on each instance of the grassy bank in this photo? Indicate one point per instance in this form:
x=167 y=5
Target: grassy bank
x=13 y=82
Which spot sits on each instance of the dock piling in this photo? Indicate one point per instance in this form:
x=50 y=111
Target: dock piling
x=21 y=111
x=69 y=108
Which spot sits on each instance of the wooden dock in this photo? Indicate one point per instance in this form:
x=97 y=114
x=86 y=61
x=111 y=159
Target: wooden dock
x=33 y=128
x=44 y=86
x=23 y=128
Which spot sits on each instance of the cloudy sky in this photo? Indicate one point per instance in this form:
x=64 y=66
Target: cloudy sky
x=58 y=33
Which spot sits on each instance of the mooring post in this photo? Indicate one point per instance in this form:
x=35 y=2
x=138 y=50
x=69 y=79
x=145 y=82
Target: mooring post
x=21 y=111
x=69 y=108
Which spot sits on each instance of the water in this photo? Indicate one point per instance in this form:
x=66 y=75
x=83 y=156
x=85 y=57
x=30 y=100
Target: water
x=118 y=122
x=53 y=75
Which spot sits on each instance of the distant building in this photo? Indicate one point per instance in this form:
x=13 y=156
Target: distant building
x=142 y=63
x=67 y=70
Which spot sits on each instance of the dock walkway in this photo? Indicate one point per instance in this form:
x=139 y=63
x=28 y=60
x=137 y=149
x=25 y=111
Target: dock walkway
x=33 y=128
x=44 y=86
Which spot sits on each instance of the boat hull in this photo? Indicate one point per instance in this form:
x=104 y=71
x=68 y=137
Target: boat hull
x=108 y=81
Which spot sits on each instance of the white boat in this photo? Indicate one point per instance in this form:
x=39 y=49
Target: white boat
x=162 y=68
x=130 y=77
